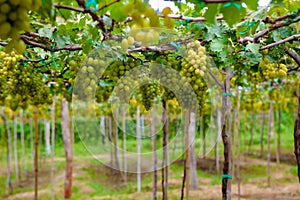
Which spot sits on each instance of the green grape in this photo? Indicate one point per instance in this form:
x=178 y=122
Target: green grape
x=130 y=40
x=14 y=18
x=5 y=8
x=149 y=92
x=124 y=44
x=21 y=85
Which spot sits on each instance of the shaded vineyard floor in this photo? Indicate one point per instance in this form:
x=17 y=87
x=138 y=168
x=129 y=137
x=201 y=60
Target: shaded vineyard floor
x=92 y=180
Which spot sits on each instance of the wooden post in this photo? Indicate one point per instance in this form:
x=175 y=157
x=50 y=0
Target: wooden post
x=269 y=142
x=238 y=142
x=9 y=187
x=124 y=144
x=68 y=147
x=18 y=173
x=186 y=179
x=297 y=135
x=262 y=134
x=153 y=130
x=219 y=129
x=36 y=146
x=138 y=137
x=191 y=149
x=52 y=149
x=23 y=141
x=165 y=162
x=227 y=168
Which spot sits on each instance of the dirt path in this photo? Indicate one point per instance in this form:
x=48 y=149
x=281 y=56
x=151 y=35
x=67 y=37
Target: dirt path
x=284 y=183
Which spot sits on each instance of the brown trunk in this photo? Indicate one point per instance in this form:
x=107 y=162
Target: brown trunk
x=251 y=132
x=124 y=143
x=193 y=161
x=238 y=142
x=52 y=149
x=18 y=172
x=297 y=137
x=269 y=142
x=203 y=135
x=219 y=126
x=276 y=139
x=115 y=140
x=227 y=168
x=110 y=142
x=23 y=141
x=36 y=146
x=245 y=130
x=153 y=129
x=279 y=133
x=165 y=151
x=9 y=188
x=138 y=137
x=233 y=121
x=31 y=143
x=102 y=127
x=185 y=180
x=262 y=135
x=67 y=146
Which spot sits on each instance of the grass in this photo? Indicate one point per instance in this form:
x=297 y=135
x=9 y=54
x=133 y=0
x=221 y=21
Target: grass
x=101 y=184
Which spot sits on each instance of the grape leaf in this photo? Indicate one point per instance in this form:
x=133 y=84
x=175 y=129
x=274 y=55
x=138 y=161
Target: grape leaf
x=211 y=12
x=45 y=32
x=116 y=12
x=232 y=14
x=48 y=10
x=104 y=84
x=217 y=45
x=251 y=4
x=254 y=48
x=215 y=31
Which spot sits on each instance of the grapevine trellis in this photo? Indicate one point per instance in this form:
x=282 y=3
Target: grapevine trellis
x=249 y=54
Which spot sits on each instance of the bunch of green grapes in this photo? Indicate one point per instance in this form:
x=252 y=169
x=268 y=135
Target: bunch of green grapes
x=193 y=69
x=103 y=93
x=149 y=92
x=269 y=70
x=22 y=85
x=252 y=96
x=112 y=75
x=88 y=79
x=275 y=95
x=14 y=19
x=166 y=60
x=143 y=17
x=119 y=68
x=255 y=77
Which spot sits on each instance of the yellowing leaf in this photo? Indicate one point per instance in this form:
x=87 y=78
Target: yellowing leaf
x=166 y=11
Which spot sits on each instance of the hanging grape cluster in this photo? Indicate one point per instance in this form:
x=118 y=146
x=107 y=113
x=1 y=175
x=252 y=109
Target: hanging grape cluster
x=268 y=71
x=14 y=19
x=112 y=75
x=88 y=79
x=149 y=92
x=193 y=69
x=20 y=85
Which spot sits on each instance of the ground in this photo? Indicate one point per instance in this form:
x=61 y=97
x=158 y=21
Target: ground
x=92 y=180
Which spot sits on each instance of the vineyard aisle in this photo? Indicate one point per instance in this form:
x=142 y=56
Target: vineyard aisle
x=143 y=99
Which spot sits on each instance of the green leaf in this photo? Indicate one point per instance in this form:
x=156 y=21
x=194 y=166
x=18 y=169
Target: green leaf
x=103 y=83
x=251 y=4
x=276 y=36
x=48 y=10
x=45 y=32
x=211 y=12
x=116 y=12
x=232 y=14
x=254 y=48
x=217 y=45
